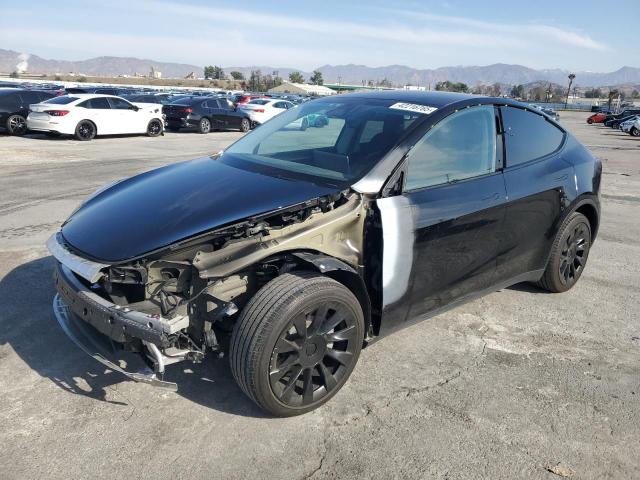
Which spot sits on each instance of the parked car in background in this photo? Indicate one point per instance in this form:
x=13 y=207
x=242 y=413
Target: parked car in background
x=290 y=251
x=261 y=110
x=205 y=114
x=14 y=107
x=88 y=115
x=246 y=98
x=597 y=118
x=634 y=128
x=160 y=98
x=616 y=122
x=627 y=124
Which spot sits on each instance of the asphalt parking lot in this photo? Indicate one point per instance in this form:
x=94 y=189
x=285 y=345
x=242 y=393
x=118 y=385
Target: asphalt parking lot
x=508 y=386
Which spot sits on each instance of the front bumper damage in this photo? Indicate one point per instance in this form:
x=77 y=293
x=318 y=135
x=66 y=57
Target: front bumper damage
x=99 y=327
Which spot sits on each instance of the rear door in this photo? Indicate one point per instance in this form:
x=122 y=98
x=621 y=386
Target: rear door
x=440 y=235
x=99 y=111
x=539 y=182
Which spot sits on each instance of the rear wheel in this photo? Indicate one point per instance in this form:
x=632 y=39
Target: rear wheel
x=635 y=132
x=245 y=125
x=85 y=131
x=154 y=128
x=568 y=255
x=296 y=342
x=16 y=125
x=204 y=126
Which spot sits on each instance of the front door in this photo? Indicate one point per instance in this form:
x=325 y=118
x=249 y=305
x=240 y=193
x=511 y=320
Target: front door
x=440 y=235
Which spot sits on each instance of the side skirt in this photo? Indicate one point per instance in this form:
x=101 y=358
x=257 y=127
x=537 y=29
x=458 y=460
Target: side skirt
x=532 y=276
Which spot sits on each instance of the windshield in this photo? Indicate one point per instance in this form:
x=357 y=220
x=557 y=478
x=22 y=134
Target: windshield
x=336 y=140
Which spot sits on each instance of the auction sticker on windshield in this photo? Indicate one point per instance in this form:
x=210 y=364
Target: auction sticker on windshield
x=413 y=107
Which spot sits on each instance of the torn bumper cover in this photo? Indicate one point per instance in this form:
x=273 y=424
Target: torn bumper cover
x=99 y=347
x=94 y=324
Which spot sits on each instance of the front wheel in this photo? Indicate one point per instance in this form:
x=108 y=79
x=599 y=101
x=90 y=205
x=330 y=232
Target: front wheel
x=296 y=342
x=245 y=125
x=204 y=126
x=635 y=132
x=16 y=125
x=590 y=122
x=85 y=131
x=569 y=254
x=154 y=128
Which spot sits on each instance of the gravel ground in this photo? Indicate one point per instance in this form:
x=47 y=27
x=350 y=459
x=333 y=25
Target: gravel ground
x=518 y=384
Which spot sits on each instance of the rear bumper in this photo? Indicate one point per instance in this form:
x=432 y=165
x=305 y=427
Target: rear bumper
x=98 y=347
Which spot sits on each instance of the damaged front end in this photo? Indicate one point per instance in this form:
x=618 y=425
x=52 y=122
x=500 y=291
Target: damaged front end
x=182 y=301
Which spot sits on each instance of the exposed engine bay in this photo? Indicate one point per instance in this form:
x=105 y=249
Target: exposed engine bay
x=190 y=294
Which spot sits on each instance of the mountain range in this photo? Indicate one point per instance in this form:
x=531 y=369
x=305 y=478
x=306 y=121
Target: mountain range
x=347 y=74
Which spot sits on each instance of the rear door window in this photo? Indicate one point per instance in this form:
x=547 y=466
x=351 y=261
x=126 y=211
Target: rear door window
x=528 y=135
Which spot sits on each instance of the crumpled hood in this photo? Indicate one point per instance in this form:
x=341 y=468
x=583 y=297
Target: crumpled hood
x=158 y=208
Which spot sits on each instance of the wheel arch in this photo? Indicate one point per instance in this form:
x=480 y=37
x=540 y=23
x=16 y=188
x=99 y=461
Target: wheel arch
x=343 y=273
x=589 y=209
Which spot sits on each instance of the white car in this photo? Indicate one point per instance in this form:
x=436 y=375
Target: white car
x=88 y=115
x=634 y=128
x=260 y=110
x=627 y=124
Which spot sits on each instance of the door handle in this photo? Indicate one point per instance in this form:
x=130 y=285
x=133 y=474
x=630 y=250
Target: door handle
x=562 y=177
x=494 y=196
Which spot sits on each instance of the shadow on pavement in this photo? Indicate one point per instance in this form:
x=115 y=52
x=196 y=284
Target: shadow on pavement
x=29 y=327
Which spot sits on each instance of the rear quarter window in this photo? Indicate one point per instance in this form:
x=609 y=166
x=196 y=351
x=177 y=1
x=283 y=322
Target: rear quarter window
x=528 y=135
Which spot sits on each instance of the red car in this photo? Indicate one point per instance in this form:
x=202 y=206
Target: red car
x=242 y=99
x=596 y=118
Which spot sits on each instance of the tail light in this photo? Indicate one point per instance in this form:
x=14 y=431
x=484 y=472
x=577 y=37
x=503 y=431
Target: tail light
x=57 y=113
x=258 y=110
x=187 y=110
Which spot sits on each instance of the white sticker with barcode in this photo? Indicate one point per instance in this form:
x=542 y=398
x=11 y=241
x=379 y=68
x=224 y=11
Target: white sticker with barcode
x=414 y=107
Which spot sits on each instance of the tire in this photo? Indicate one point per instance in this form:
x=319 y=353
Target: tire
x=154 y=128
x=245 y=125
x=634 y=132
x=304 y=124
x=85 y=131
x=569 y=255
x=16 y=125
x=204 y=126
x=287 y=352
x=589 y=121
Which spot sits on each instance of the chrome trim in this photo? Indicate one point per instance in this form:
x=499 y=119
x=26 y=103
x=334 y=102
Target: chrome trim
x=91 y=271
x=96 y=346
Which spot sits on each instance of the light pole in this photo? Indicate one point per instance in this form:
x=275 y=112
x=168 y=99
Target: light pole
x=571 y=77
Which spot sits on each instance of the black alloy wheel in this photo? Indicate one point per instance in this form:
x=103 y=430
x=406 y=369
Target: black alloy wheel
x=573 y=254
x=16 y=125
x=154 y=128
x=204 y=126
x=568 y=255
x=245 y=125
x=85 y=131
x=296 y=342
x=312 y=354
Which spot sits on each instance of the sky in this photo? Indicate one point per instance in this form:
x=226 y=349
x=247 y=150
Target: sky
x=575 y=35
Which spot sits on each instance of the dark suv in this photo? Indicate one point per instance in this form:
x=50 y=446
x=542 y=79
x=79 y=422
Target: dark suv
x=291 y=250
x=14 y=107
x=205 y=114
